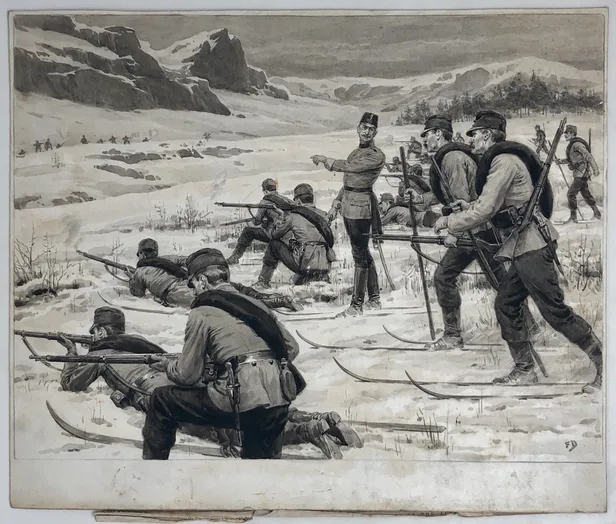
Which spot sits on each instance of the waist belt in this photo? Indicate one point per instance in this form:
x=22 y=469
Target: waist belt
x=257 y=356
x=358 y=189
x=315 y=243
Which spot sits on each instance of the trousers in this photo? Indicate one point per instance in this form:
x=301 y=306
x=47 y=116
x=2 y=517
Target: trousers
x=172 y=406
x=366 y=276
x=579 y=185
x=534 y=274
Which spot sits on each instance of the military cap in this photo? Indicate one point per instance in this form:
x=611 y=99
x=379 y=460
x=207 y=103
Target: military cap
x=370 y=119
x=269 y=184
x=570 y=128
x=303 y=189
x=147 y=244
x=387 y=197
x=108 y=316
x=201 y=260
x=488 y=120
x=537 y=126
x=435 y=122
x=396 y=159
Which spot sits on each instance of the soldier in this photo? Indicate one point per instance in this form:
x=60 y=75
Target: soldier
x=459 y=138
x=21 y=153
x=540 y=140
x=397 y=211
x=145 y=139
x=166 y=278
x=132 y=385
x=264 y=220
x=458 y=166
x=37 y=147
x=100 y=141
x=84 y=140
x=414 y=148
x=48 y=145
x=125 y=140
x=505 y=178
x=232 y=341
x=583 y=165
x=395 y=166
x=302 y=241
x=112 y=140
x=359 y=210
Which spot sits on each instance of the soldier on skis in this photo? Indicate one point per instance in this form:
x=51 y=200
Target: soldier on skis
x=582 y=163
x=505 y=176
x=37 y=147
x=540 y=140
x=359 y=208
x=112 y=139
x=236 y=348
x=458 y=166
x=132 y=385
x=165 y=277
x=302 y=241
x=48 y=145
x=263 y=222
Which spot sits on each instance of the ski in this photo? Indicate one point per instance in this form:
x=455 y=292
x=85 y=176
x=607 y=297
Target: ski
x=409 y=341
x=333 y=317
x=310 y=313
x=526 y=396
x=362 y=378
x=394 y=426
x=589 y=221
x=207 y=451
x=363 y=348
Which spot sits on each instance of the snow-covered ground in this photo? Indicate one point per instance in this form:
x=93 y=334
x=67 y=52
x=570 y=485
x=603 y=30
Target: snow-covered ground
x=288 y=133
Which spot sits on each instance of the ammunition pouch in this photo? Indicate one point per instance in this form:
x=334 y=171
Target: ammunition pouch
x=507 y=218
x=121 y=400
x=287 y=381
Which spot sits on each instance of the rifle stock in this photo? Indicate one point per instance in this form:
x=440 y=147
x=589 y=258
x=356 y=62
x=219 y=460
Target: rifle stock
x=106 y=261
x=77 y=339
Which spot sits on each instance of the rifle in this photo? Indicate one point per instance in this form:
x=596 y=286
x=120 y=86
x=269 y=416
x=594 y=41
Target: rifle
x=235 y=222
x=77 y=339
x=420 y=239
x=107 y=262
x=147 y=358
x=482 y=257
x=417 y=247
x=250 y=206
x=508 y=248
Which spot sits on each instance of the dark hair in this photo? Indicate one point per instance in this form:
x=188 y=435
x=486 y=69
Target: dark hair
x=447 y=135
x=112 y=330
x=215 y=274
x=498 y=135
x=305 y=198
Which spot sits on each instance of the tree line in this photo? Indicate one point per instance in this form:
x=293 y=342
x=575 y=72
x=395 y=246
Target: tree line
x=517 y=98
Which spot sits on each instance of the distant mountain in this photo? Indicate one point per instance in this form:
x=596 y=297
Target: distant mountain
x=392 y=94
x=110 y=67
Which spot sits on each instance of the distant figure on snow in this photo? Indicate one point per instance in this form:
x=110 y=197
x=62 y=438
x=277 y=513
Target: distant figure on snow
x=48 y=145
x=125 y=140
x=112 y=140
x=145 y=139
x=84 y=140
x=21 y=153
x=37 y=147
x=414 y=148
x=540 y=140
x=100 y=141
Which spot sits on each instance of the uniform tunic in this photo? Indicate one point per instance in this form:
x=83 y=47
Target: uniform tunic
x=156 y=280
x=581 y=161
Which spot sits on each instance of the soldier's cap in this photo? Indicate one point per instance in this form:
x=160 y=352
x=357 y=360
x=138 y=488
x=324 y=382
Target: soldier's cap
x=570 y=128
x=108 y=317
x=435 y=122
x=269 y=184
x=488 y=120
x=537 y=126
x=200 y=260
x=147 y=244
x=387 y=197
x=370 y=119
x=396 y=160
x=303 y=189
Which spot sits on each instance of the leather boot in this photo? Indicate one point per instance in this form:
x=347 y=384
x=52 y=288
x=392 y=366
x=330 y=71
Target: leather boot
x=359 y=290
x=452 y=338
x=596 y=212
x=311 y=432
x=276 y=301
x=595 y=353
x=374 y=293
x=572 y=218
x=267 y=272
x=346 y=435
x=237 y=254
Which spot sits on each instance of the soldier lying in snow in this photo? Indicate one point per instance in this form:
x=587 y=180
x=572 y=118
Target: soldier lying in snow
x=166 y=278
x=133 y=383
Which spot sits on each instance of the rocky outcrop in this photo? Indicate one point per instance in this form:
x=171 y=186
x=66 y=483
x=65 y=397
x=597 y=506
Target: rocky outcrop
x=128 y=79
x=257 y=77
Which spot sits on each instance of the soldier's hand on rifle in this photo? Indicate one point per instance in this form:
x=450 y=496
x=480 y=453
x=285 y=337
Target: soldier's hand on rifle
x=130 y=272
x=459 y=205
x=441 y=223
x=450 y=241
x=160 y=365
x=71 y=348
x=414 y=195
x=318 y=159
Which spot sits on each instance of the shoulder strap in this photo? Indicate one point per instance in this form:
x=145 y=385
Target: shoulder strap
x=576 y=140
x=317 y=221
x=435 y=180
x=166 y=265
x=283 y=203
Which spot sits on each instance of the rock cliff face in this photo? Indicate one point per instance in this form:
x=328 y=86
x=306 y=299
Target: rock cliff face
x=57 y=57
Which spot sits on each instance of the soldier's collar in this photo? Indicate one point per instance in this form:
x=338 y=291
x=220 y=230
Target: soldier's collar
x=367 y=144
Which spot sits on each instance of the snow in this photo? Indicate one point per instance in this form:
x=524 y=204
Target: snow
x=286 y=135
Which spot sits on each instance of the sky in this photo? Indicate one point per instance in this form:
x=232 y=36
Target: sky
x=384 y=46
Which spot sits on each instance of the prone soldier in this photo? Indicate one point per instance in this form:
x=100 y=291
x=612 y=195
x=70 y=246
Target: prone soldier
x=302 y=241
x=264 y=220
x=132 y=385
x=505 y=182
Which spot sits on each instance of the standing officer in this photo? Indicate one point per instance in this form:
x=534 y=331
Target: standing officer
x=505 y=181
x=583 y=165
x=360 y=212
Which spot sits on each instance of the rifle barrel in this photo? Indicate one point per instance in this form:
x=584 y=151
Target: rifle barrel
x=146 y=358
x=419 y=239
x=78 y=339
x=105 y=261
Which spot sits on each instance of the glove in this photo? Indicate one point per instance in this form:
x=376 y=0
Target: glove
x=414 y=195
x=451 y=241
x=441 y=223
x=160 y=365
